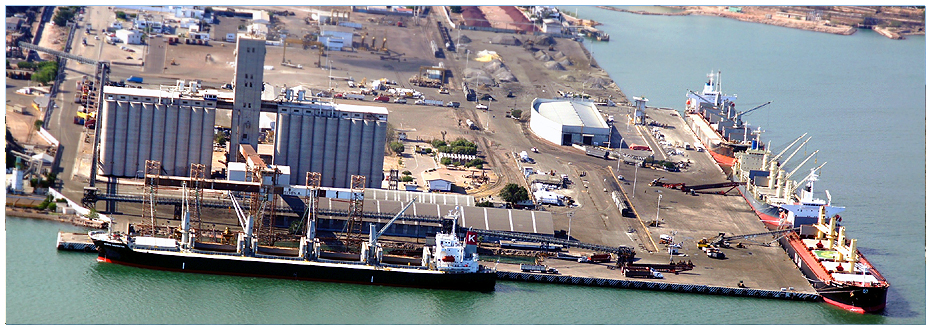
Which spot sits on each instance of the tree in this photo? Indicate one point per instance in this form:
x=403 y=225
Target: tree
x=446 y=161
x=64 y=14
x=485 y=204
x=121 y=15
x=514 y=193
x=46 y=72
x=477 y=163
x=407 y=178
x=456 y=9
x=397 y=147
x=406 y=172
x=38 y=124
x=516 y=113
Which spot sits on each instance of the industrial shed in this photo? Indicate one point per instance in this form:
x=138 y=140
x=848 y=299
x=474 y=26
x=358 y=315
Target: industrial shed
x=568 y=122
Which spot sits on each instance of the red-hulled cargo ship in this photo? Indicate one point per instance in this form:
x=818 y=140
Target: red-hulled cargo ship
x=835 y=267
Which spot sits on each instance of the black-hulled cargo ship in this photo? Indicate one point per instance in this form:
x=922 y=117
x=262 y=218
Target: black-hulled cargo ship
x=451 y=263
x=164 y=254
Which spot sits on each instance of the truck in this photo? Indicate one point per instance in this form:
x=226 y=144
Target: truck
x=429 y=102
x=382 y=98
x=596 y=152
x=641 y=271
x=134 y=79
x=453 y=104
x=354 y=96
x=595 y=258
x=538 y=268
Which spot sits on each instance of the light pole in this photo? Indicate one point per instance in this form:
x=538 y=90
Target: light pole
x=634 y=188
x=657 y=219
x=570 y=232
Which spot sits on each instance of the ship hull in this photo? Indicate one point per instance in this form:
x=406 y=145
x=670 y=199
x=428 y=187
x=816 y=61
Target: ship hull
x=292 y=269
x=768 y=214
x=851 y=297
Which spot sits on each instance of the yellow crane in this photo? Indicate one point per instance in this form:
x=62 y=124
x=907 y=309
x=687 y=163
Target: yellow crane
x=307 y=42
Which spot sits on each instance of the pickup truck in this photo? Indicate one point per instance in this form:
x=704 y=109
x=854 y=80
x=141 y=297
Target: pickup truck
x=383 y=98
x=482 y=106
x=539 y=269
x=453 y=104
x=134 y=79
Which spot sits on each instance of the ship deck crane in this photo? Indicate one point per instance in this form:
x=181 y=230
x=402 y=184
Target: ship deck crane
x=737 y=118
x=373 y=250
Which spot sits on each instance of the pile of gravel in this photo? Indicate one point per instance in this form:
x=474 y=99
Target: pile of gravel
x=543 y=40
x=542 y=56
x=568 y=78
x=553 y=65
x=463 y=40
x=596 y=82
x=506 y=40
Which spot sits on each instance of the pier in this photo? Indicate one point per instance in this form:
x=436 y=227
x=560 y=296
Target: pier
x=75 y=242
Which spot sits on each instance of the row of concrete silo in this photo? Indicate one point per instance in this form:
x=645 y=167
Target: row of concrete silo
x=175 y=135
x=335 y=147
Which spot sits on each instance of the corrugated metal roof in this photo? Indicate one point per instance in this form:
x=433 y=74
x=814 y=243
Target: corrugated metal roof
x=572 y=113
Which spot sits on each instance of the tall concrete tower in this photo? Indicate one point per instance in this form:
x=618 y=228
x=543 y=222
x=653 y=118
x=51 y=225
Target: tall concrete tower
x=247 y=94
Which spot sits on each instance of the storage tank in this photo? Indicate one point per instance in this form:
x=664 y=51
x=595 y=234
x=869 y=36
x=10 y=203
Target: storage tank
x=329 y=175
x=342 y=173
x=207 y=139
x=194 y=139
x=17 y=184
x=299 y=170
x=171 y=137
x=119 y=142
x=355 y=147
x=107 y=125
x=378 y=154
x=281 y=143
x=146 y=137
x=318 y=147
x=366 y=163
x=294 y=138
x=181 y=145
x=132 y=139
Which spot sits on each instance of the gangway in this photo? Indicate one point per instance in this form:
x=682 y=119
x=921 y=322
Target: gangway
x=624 y=253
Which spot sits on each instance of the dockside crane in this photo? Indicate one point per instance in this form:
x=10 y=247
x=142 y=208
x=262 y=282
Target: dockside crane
x=372 y=250
x=725 y=241
x=245 y=244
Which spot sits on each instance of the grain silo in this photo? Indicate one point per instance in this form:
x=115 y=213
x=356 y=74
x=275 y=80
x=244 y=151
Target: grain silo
x=172 y=127
x=336 y=140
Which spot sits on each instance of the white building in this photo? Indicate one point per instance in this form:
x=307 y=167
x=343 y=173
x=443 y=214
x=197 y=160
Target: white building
x=131 y=37
x=568 y=122
x=336 y=37
x=552 y=26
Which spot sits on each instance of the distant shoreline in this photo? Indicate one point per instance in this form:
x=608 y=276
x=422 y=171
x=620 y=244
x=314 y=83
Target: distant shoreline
x=38 y=215
x=755 y=18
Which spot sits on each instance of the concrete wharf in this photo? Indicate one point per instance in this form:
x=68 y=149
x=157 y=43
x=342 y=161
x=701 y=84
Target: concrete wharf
x=657 y=286
x=75 y=242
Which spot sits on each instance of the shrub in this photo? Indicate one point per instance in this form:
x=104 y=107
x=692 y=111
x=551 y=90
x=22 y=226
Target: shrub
x=485 y=204
x=477 y=163
x=438 y=143
x=397 y=147
x=514 y=193
x=406 y=172
x=407 y=178
x=121 y=15
x=446 y=161
x=516 y=113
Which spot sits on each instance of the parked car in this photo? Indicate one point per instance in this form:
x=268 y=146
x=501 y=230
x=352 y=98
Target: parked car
x=482 y=106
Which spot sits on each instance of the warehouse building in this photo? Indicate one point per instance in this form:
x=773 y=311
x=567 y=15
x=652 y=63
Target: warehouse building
x=568 y=122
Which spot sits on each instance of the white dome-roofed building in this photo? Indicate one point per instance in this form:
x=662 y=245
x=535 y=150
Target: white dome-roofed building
x=568 y=122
